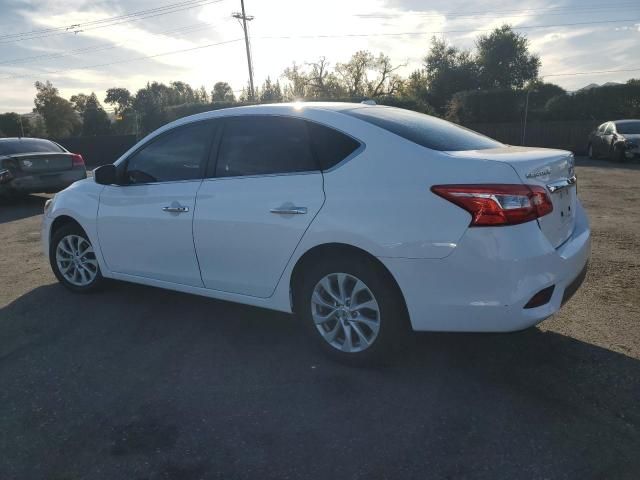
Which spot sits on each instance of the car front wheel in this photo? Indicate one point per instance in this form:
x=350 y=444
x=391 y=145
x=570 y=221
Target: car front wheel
x=73 y=259
x=352 y=309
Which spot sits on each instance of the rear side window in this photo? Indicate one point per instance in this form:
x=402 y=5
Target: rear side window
x=263 y=145
x=330 y=146
x=176 y=155
x=28 y=145
x=424 y=130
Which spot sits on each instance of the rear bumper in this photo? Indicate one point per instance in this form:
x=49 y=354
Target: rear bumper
x=43 y=182
x=484 y=285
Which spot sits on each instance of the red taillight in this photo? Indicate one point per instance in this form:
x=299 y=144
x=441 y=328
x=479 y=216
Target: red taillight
x=77 y=160
x=501 y=204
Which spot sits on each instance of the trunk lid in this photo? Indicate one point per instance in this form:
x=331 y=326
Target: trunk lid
x=552 y=169
x=34 y=163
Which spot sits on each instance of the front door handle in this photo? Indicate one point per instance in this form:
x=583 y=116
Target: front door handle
x=175 y=209
x=289 y=210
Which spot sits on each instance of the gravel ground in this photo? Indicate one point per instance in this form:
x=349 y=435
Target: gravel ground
x=140 y=383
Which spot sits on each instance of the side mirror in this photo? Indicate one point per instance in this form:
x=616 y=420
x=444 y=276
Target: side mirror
x=106 y=175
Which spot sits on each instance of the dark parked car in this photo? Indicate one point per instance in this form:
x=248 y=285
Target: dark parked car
x=36 y=165
x=618 y=140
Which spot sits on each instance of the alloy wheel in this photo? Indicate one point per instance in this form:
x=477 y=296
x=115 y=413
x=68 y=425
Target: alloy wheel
x=76 y=260
x=345 y=312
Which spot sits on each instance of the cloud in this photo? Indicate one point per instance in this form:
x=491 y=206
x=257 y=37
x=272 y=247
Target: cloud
x=562 y=49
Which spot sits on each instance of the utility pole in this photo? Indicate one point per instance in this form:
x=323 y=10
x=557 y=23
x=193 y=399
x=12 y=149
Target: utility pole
x=242 y=16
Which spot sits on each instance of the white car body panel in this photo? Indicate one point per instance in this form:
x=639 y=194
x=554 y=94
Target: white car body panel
x=137 y=237
x=242 y=246
x=453 y=278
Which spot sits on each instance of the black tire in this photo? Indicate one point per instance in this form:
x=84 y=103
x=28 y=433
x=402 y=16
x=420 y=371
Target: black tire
x=393 y=319
x=58 y=235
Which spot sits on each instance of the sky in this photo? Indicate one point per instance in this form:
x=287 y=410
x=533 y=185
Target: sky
x=209 y=46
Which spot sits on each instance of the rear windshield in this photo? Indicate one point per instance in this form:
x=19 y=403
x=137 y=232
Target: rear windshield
x=27 y=145
x=628 y=127
x=424 y=130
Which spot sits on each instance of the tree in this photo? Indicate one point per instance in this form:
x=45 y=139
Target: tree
x=354 y=73
x=13 y=125
x=504 y=60
x=201 y=95
x=151 y=104
x=222 y=92
x=120 y=99
x=270 y=92
x=447 y=70
x=95 y=120
x=60 y=118
x=386 y=82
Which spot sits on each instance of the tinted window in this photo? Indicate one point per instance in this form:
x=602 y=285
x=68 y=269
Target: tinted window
x=176 y=155
x=27 y=145
x=329 y=145
x=260 y=145
x=628 y=127
x=424 y=130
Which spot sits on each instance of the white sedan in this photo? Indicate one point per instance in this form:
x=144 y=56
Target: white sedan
x=366 y=221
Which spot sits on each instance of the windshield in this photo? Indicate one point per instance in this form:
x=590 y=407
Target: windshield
x=430 y=132
x=628 y=127
x=27 y=145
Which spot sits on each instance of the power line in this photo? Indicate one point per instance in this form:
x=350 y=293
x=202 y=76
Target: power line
x=76 y=29
x=74 y=26
x=593 y=72
x=126 y=60
x=104 y=45
x=392 y=34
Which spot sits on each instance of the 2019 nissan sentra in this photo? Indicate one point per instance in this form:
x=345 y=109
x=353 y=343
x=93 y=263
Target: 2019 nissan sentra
x=365 y=221
x=36 y=165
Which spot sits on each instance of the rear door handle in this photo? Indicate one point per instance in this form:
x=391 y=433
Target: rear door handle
x=289 y=210
x=175 y=209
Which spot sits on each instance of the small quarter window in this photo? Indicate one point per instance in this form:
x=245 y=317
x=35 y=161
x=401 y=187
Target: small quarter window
x=330 y=146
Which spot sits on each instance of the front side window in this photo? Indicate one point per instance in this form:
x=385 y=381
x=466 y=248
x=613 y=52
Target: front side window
x=176 y=155
x=263 y=145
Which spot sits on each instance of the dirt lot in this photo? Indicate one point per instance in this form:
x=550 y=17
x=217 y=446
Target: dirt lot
x=140 y=383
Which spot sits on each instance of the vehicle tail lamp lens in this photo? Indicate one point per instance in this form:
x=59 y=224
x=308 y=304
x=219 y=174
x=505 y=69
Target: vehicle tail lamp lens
x=498 y=204
x=77 y=160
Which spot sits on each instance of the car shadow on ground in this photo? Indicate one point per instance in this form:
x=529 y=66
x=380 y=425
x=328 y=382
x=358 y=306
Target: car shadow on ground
x=136 y=382
x=17 y=208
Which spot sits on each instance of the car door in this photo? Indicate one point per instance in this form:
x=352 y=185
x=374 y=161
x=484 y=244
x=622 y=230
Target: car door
x=263 y=192
x=145 y=224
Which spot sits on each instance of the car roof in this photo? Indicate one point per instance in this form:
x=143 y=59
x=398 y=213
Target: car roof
x=628 y=120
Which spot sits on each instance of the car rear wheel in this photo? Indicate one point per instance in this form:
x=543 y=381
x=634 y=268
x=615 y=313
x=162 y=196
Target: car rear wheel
x=351 y=309
x=73 y=260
